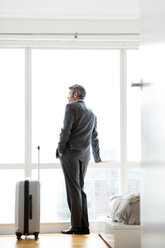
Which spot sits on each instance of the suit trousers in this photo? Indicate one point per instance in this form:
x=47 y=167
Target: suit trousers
x=74 y=165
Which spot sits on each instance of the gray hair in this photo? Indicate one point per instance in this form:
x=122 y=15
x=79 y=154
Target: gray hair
x=81 y=92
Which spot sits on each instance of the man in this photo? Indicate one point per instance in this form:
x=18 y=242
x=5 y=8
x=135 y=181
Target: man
x=78 y=133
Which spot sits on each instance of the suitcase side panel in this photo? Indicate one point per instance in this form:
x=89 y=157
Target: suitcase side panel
x=19 y=207
x=34 y=222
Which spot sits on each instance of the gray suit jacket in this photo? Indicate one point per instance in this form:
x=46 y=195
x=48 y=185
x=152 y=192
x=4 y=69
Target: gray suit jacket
x=79 y=130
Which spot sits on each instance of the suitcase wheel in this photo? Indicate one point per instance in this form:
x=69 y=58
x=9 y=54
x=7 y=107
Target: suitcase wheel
x=36 y=235
x=18 y=236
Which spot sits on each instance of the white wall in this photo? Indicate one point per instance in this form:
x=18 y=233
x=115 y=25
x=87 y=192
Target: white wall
x=68 y=26
x=74 y=9
x=69 y=16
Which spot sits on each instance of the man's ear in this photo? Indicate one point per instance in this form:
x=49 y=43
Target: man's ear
x=75 y=95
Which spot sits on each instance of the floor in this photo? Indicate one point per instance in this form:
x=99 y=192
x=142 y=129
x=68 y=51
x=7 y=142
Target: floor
x=54 y=240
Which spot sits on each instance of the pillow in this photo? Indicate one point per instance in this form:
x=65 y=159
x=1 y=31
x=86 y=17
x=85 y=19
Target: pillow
x=125 y=208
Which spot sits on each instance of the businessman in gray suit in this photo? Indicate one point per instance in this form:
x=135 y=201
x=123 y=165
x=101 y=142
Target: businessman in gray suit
x=78 y=133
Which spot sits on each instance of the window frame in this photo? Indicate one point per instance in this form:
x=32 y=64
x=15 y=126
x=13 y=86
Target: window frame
x=123 y=165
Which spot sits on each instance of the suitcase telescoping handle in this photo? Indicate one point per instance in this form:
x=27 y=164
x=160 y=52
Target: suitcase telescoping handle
x=38 y=147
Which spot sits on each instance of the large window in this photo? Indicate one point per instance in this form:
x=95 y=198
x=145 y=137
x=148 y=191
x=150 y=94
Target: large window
x=133 y=180
x=8 y=179
x=133 y=120
x=33 y=96
x=100 y=184
x=12 y=127
x=133 y=107
x=12 y=105
x=53 y=72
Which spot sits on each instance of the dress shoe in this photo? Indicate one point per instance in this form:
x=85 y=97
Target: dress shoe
x=85 y=230
x=72 y=230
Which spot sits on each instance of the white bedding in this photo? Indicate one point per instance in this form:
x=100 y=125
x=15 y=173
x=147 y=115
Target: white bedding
x=125 y=208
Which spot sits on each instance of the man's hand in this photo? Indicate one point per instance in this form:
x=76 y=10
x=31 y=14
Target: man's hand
x=102 y=162
x=60 y=155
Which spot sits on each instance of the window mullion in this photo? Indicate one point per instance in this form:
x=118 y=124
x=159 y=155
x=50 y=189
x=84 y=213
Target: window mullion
x=28 y=112
x=123 y=122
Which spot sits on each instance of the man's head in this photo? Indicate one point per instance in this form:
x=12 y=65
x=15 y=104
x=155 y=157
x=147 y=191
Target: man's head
x=76 y=92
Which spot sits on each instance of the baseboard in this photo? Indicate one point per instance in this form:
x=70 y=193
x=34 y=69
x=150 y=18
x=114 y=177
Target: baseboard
x=95 y=227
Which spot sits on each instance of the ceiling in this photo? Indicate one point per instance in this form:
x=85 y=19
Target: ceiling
x=70 y=9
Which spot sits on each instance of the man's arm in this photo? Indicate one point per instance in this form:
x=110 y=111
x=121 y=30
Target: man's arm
x=66 y=130
x=95 y=144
